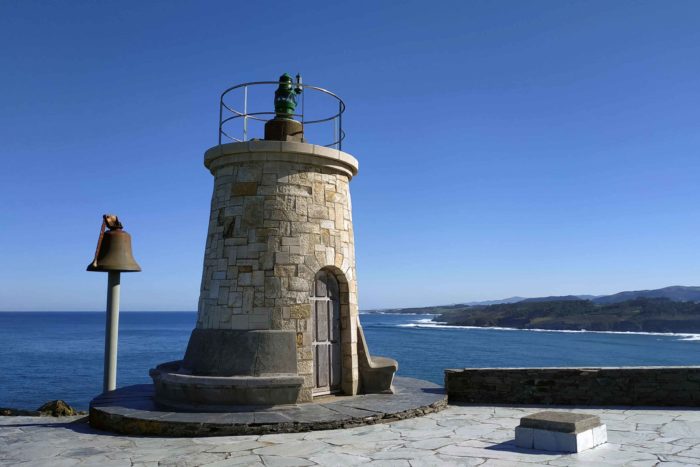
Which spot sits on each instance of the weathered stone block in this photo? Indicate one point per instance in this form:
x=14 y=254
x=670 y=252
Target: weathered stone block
x=300 y=311
x=305 y=367
x=248 y=295
x=244 y=189
x=282 y=270
x=317 y=212
x=298 y=284
x=235 y=299
x=249 y=173
x=253 y=213
x=245 y=278
x=290 y=241
x=295 y=190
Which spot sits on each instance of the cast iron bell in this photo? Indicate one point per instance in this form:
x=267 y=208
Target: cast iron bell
x=113 y=249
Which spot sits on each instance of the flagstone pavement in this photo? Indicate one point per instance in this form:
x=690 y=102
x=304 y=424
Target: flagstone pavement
x=459 y=435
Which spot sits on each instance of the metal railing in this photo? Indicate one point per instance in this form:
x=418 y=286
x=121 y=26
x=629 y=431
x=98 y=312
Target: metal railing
x=228 y=114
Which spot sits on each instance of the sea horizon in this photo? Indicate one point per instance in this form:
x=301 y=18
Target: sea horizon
x=59 y=355
x=420 y=323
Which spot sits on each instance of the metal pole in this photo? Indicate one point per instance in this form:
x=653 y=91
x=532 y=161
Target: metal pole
x=335 y=133
x=340 y=126
x=111 y=331
x=221 y=115
x=245 y=112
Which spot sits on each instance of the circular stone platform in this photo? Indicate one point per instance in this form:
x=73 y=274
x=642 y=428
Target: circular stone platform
x=131 y=410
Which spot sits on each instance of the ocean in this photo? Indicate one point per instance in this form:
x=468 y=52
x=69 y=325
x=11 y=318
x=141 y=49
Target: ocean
x=59 y=355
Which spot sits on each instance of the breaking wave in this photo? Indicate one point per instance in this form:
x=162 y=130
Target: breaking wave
x=428 y=323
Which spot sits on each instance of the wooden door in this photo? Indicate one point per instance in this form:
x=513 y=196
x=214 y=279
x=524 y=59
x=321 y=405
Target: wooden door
x=325 y=300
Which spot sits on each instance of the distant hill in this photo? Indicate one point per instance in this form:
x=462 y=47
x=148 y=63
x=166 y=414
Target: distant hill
x=676 y=293
x=640 y=314
x=564 y=298
x=440 y=308
x=497 y=302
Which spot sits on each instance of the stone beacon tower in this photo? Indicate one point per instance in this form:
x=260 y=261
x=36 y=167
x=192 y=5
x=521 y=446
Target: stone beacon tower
x=278 y=316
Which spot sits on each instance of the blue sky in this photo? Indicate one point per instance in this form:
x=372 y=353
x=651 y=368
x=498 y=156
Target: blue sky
x=506 y=147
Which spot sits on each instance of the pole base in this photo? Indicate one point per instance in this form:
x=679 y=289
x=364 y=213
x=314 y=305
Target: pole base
x=284 y=129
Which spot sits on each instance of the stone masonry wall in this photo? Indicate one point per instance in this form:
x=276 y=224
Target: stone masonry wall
x=651 y=386
x=277 y=218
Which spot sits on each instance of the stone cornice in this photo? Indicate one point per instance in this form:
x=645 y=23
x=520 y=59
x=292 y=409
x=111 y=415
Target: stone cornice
x=282 y=151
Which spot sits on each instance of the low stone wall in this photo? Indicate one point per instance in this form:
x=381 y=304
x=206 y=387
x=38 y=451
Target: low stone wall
x=651 y=386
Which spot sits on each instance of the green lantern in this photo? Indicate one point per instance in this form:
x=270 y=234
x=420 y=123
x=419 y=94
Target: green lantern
x=286 y=96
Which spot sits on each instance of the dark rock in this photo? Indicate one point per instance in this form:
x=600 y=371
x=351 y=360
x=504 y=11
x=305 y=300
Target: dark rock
x=57 y=408
x=18 y=412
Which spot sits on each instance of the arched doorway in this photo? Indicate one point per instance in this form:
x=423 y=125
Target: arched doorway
x=325 y=300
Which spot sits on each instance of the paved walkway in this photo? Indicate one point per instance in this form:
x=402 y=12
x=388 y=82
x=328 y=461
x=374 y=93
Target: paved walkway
x=459 y=435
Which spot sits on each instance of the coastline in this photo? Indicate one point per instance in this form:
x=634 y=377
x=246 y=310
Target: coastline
x=426 y=324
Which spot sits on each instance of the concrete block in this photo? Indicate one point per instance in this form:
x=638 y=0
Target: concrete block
x=554 y=441
x=524 y=437
x=566 y=422
x=600 y=435
x=560 y=432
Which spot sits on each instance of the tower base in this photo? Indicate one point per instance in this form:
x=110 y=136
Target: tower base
x=130 y=410
x=224 y=367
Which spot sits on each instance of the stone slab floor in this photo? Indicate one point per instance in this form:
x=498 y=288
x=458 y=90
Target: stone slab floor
x=459 y=435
